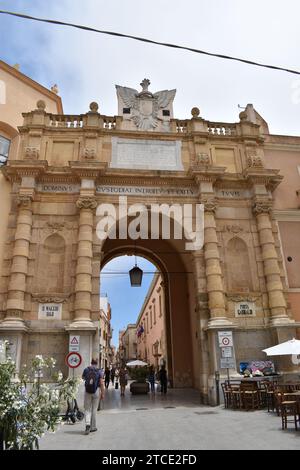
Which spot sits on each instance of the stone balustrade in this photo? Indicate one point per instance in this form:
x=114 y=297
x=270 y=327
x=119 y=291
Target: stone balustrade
x=65 y=120
x=221 y=128
x=112 y=123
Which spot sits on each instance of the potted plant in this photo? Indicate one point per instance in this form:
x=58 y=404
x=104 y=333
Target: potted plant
x=139 y=385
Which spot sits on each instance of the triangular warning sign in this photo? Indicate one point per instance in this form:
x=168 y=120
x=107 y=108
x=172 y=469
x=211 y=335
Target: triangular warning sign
x=74 y=340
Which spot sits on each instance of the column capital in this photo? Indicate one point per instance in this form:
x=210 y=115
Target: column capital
x=86 y=203
x=263 y=206
x=24 y=201
x=209 y=202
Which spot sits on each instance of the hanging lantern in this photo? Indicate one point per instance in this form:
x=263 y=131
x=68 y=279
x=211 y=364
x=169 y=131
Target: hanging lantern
x=136 y=275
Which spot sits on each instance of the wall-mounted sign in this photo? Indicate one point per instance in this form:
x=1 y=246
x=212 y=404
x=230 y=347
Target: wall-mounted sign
x=58 y=188
x=245 y=309
x=225 y=338
x=74 y=343
x=227 y=351
x=73 y=360
x=233 y=193
x=138 y=154
x=50 y=311
x=145 y=191
x=227 y=363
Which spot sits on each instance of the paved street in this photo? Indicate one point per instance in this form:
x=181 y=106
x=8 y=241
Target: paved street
x=176 y=421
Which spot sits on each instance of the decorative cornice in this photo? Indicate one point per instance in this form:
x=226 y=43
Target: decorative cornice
x=86 y=203
x=88 y=168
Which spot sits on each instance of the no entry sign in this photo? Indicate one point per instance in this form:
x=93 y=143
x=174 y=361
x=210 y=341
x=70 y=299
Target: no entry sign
x=225 y=338
x=73 y=360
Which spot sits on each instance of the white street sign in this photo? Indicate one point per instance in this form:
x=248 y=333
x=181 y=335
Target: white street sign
x=226 y=351
x=227 y=363
x=74 y=343
x=225 y=338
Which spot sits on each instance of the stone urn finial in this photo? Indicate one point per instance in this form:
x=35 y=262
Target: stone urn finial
x=54 y=89
x=195 y=112
x=243 y=116
x=41 y=105
x=94 y=107
x=145 y=84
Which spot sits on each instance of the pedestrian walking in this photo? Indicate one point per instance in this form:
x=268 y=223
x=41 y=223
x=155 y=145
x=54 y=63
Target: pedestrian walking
x=123 y=379
x=112 y=375
x=106 y=377
x=163 y=378
x=151 y=378
x=93 y=378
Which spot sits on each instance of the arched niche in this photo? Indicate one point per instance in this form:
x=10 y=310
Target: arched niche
x=238 y=266
x=51 y=265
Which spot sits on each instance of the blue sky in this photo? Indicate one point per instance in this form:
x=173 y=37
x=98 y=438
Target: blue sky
x=125 y=301
x=86 y=66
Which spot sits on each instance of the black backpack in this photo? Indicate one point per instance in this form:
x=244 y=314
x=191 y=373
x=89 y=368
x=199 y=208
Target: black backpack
x=92 y=380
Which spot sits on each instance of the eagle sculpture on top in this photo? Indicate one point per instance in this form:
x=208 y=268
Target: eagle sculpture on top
x=145 y=106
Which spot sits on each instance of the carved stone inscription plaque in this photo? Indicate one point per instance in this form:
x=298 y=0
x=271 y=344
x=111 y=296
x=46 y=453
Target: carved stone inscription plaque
x=146 y=154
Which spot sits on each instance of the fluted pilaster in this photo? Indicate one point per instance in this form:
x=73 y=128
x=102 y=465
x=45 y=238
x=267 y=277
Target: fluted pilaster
x=19 y=266
x=277 y=303
x=213 y=271
x=83 y=285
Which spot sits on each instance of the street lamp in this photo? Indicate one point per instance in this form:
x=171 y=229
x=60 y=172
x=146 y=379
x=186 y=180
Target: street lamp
x=136 y=275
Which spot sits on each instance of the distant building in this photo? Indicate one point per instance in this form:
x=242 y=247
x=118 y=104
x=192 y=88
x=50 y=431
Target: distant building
x=105 y=333
x=120 y=357
x=129 y=341
x=150 y=326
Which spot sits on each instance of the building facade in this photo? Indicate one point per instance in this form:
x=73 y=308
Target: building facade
x=243 y=280
x=105 y=333
x=150 y=326
x=129 y=342
x=18 y=94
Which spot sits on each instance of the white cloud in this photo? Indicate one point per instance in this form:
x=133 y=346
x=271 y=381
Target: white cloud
x=86 y=66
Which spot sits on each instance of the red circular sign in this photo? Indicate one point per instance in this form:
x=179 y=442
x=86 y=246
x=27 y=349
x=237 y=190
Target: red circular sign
x=73 y=360
x=225 y=341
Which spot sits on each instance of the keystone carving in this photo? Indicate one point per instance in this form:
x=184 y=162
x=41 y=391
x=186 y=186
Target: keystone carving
x=233 y=228
x=254 y=161
x=242 y=298
x=86 y=203
x=55 y=226
x=202 y=159
x=89 y=154
x=31 y=153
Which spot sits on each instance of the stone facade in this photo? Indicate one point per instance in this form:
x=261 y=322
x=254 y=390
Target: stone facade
x=128 y=343
x=106 y=356
x=151 y=343
x=238 y=282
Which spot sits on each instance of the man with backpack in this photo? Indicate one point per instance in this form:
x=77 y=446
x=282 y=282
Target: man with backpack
x=93 y=379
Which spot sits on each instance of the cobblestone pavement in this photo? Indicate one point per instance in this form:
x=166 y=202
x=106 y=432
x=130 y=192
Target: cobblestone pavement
x=176 y=421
